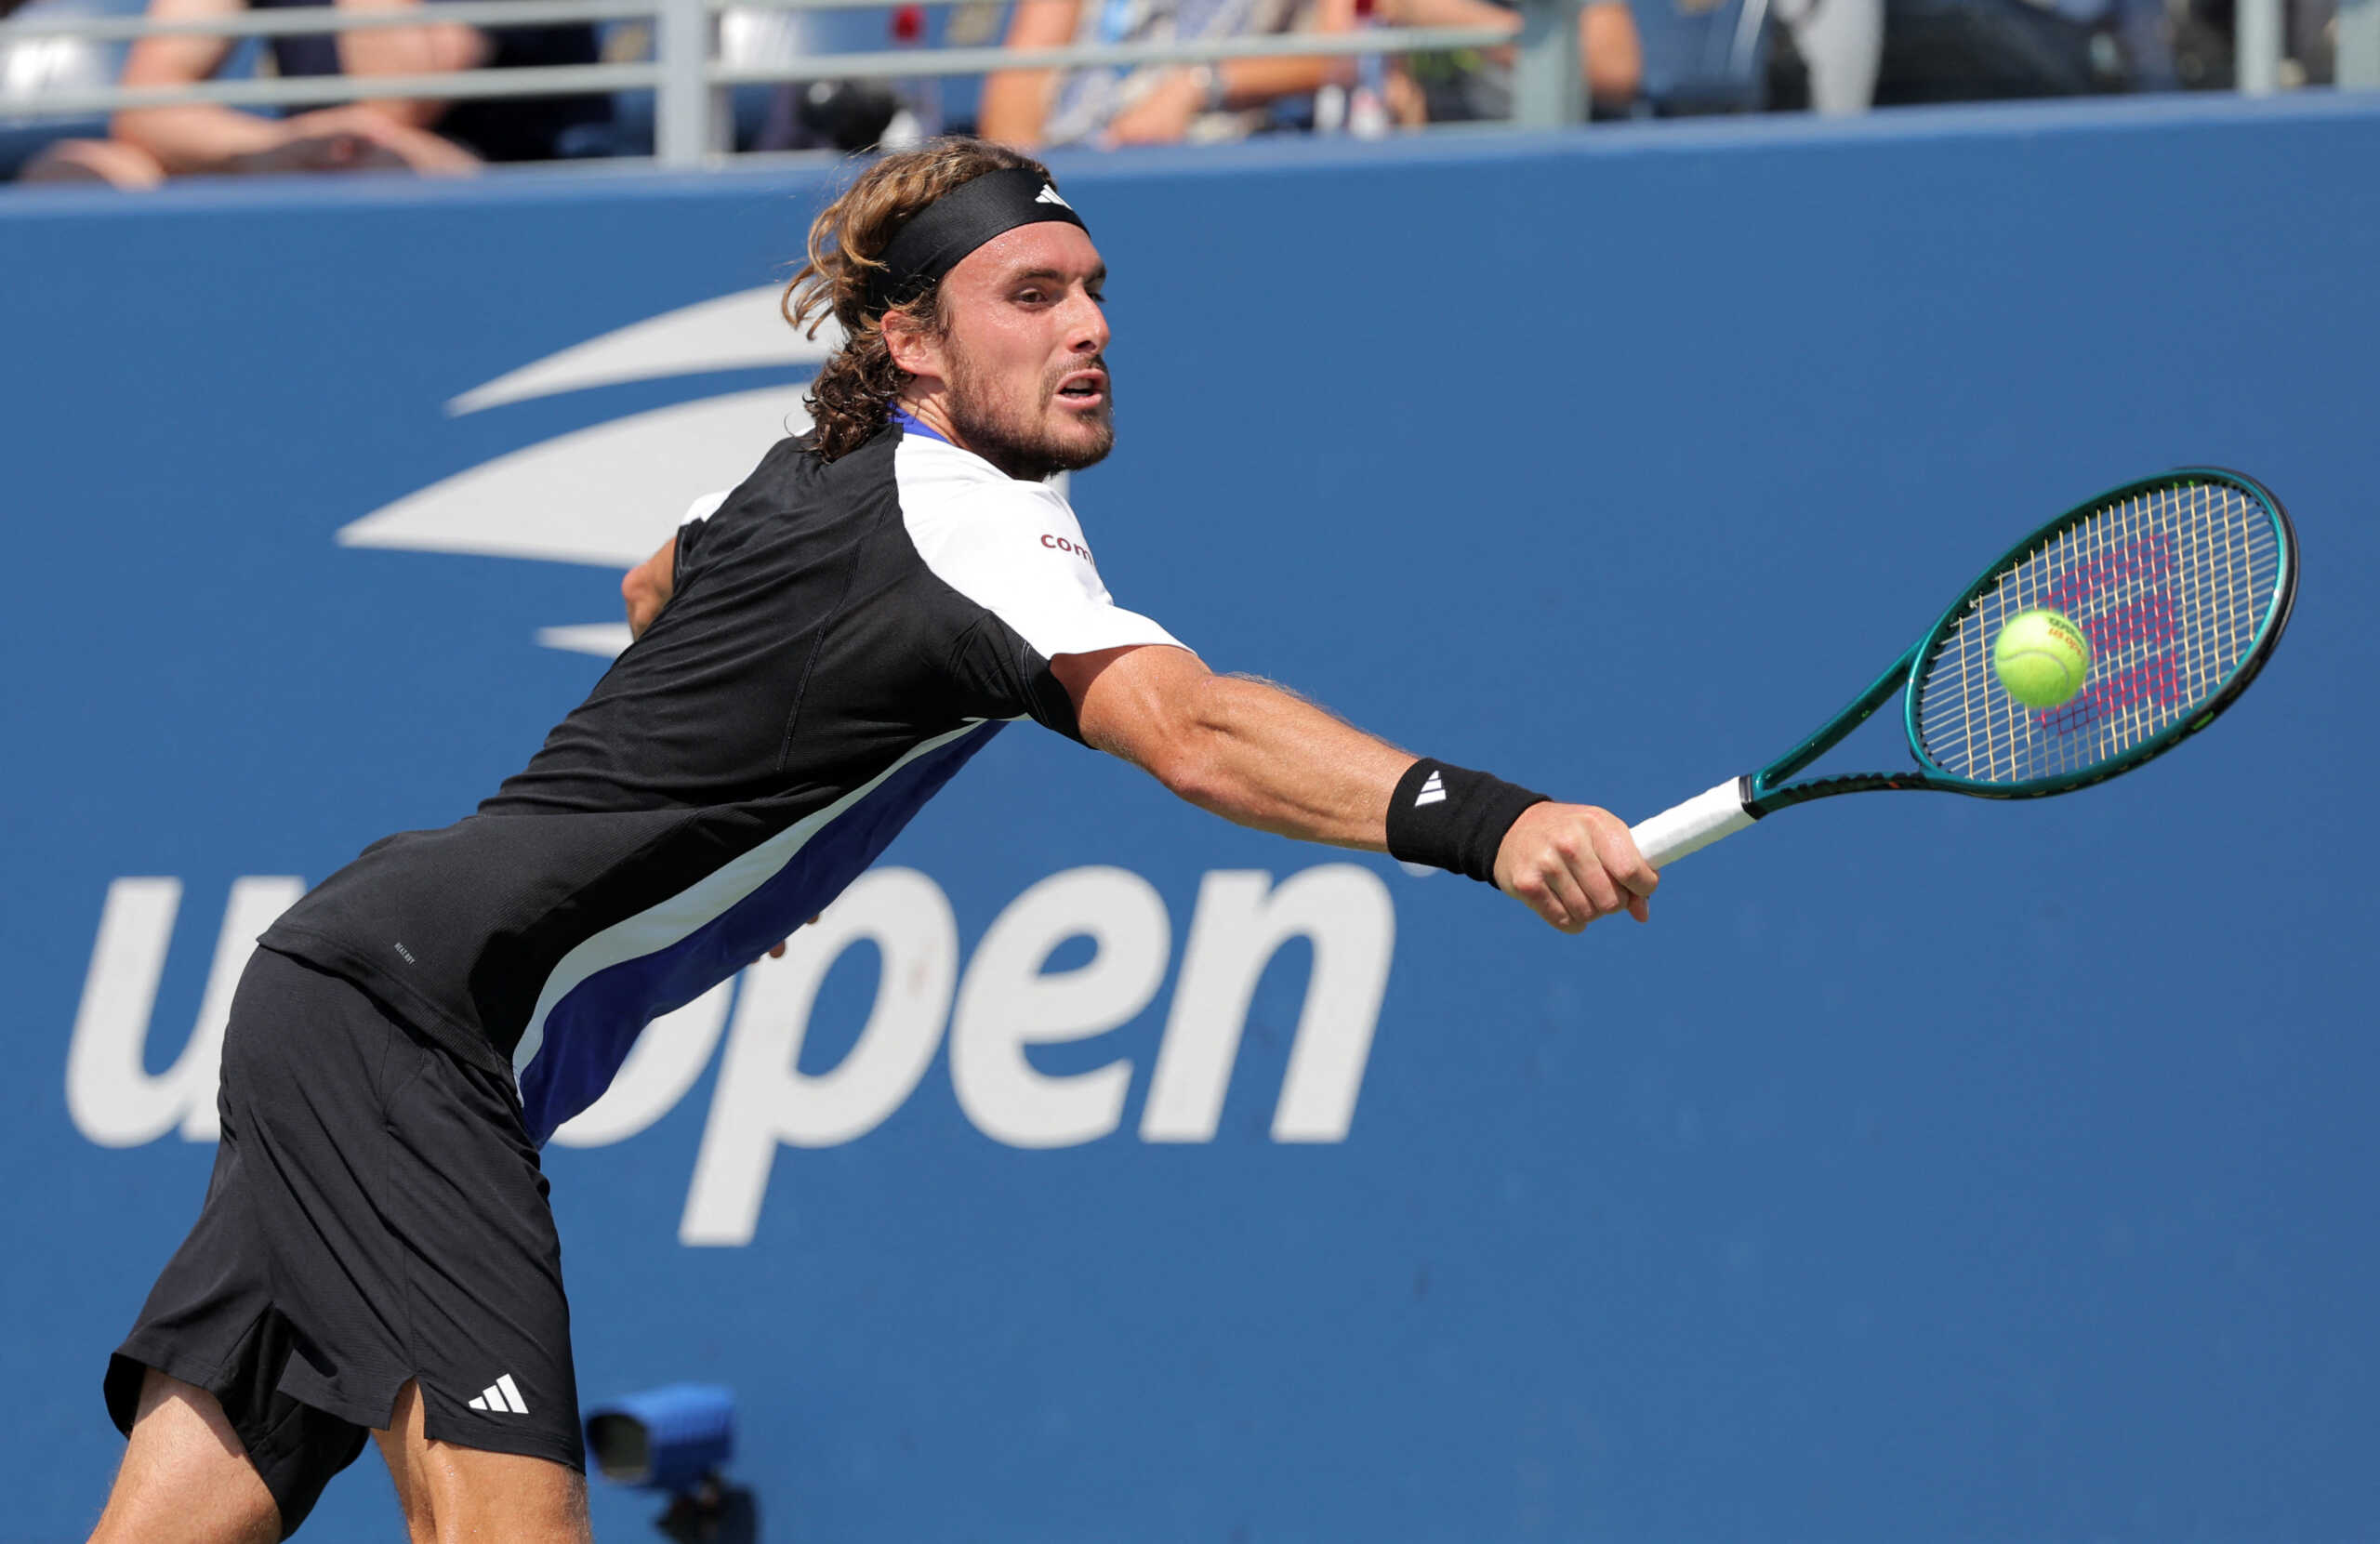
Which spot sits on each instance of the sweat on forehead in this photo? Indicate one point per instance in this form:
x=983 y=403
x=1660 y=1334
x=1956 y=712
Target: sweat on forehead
x=1055 y=252
x=944 y=232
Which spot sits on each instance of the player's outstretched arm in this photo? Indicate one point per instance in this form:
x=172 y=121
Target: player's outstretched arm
x=1262 y=755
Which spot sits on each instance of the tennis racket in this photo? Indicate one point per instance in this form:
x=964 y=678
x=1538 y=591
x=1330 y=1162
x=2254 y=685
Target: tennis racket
x=2182 y=583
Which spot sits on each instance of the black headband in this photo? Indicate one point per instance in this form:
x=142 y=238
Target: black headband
x=960 y=221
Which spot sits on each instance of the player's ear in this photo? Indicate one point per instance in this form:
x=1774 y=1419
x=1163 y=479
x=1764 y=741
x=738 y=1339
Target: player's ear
x=912 y=345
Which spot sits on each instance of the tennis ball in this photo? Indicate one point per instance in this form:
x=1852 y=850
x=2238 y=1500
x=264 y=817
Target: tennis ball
x=2042 y=658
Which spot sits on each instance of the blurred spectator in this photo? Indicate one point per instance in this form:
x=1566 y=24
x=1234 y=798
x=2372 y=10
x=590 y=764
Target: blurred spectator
x=836 y=115
x=2205 y=32
x=422 y=135
x=843 y=115
x=1974 y=50
x=1966 y=51
x=1155 y=104
x=2142 y=37
x=34 y=68
x=1477 y=86
x=1841 y=44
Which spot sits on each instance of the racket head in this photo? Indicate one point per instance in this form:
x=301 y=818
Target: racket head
x=2182 y=582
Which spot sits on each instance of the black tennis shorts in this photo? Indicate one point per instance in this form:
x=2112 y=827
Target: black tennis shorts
x=377 y=1215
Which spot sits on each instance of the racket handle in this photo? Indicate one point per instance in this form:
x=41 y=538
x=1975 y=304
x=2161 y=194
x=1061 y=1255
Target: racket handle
x=1695 y=825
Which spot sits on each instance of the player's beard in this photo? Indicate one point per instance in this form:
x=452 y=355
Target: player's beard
x=1017 y=437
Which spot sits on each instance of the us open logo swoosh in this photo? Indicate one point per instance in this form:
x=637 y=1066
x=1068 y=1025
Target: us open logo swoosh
x=608 y=495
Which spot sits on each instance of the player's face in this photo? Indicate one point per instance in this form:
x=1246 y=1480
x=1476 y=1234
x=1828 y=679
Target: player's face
x=1025 y=377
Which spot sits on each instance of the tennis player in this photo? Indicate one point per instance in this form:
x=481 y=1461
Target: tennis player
x=815 y=657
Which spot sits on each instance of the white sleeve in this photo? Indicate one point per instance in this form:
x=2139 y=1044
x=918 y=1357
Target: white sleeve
x=1018 y=552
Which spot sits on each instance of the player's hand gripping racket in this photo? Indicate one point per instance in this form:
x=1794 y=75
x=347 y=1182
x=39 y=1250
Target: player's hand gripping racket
x=2182 y=585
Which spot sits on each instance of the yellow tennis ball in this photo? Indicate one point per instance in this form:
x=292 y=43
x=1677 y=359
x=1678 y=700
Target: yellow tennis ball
x=2042 y=658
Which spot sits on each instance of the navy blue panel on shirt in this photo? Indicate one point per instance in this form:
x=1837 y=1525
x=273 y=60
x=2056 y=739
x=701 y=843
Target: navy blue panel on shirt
x=589 y=1034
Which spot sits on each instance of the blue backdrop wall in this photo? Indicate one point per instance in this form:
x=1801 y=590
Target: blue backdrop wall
x=1929 y=1170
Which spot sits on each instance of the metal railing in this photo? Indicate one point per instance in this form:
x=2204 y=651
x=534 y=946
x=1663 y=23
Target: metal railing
x=688 y=78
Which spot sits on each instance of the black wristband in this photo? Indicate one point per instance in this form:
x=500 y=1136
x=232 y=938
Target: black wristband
x=1453 y=818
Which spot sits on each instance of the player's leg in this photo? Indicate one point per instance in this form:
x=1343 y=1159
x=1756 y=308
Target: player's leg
x=413 y=1485
x=414 y=1248
x=376 y=1227
x=186 y=1475
x=453 y=1255
x=452 y=1493
x=376 y=1234
x=214 y=1443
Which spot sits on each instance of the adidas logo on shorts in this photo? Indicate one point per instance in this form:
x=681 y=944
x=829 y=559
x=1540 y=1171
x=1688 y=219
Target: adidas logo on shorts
x=501 y=1397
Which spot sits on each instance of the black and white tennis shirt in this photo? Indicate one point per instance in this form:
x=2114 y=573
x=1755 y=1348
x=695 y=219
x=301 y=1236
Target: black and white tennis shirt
x=841 y=638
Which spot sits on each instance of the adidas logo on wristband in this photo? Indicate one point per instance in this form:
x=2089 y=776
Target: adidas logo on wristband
x=1427 y=824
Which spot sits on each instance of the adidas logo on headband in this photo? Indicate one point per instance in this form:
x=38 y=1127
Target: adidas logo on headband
x=1050 y=195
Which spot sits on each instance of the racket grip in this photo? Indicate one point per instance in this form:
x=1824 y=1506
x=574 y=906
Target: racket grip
x=1695 y=825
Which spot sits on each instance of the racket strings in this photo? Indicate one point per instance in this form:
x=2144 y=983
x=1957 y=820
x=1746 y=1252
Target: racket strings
x=2169 y=585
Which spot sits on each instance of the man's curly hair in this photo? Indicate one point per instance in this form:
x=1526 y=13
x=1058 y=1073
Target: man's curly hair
x=852 y=397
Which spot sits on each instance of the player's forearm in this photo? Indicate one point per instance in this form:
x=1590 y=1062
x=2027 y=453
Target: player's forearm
x=1262 y=757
